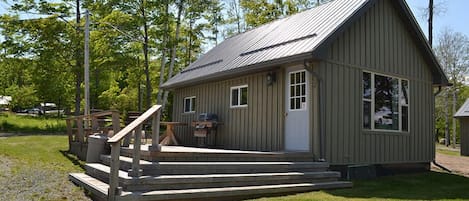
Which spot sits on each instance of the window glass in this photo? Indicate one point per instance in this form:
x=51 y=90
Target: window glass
x=386 y=114
x=244 y=96
x=405 y=118
x=189 y=104
x=297 y=90
x=385 y=102
x=366 y=85
x=367 y=114
x=234 y=97
x=239 y=96
x=405 y=90
x=193 y=104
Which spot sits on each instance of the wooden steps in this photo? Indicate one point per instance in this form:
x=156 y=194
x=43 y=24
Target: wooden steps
x=213 y=176
x=202 y=167
x=227 y=156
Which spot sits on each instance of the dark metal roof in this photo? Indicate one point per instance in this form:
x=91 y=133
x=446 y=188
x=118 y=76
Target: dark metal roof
x=297 y=37
x=463 y=110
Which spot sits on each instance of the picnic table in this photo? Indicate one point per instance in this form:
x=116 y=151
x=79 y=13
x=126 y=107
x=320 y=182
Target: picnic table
x=168 y=137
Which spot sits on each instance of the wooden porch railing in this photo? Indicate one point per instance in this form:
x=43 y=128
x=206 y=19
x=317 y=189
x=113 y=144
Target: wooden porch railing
x=116 y=140
x=81 y=133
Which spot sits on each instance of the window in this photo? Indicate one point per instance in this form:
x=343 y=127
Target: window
x=385 y=102
x=297 y=96
x=189 y=104
x=239 y=96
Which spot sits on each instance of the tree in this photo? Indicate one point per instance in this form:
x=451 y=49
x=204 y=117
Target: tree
x=453 y=54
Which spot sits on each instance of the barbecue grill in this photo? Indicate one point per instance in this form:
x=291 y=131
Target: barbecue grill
x=206 y=124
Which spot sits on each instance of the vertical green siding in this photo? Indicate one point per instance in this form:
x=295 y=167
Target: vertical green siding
x=256 y=127
x=464 y=126
x=378 y=42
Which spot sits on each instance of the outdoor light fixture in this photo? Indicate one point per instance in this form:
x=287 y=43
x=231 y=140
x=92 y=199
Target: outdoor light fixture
x=271 y=78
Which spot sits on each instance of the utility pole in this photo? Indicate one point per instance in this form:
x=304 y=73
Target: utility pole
x=430 y=23
x=87 y=64
x=78 y=64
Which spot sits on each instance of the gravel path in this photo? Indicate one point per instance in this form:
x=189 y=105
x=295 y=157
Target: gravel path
x=457 y=164
x=24 y=183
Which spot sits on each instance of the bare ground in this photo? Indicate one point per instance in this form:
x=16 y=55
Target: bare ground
x=457 y=164
x=20 y=183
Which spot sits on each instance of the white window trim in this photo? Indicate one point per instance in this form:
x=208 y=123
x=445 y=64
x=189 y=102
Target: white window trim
x=289 y=92
x=372 y=117
x=239 y=96
x=191 y=110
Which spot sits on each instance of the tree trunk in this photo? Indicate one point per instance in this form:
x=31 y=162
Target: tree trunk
x=163 y=57
x=173 y=51
x=454 y=119
x=447 y=138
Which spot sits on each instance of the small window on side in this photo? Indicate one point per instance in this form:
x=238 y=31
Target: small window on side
x=239 y=96
x=189 y=104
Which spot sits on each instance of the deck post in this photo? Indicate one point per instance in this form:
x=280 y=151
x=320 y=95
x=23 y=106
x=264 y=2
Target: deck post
x=80 y=130
x=136 y=171
x=70 y=133
x=114 y=189
x=94 y=124
x=116 y=127
x=155 y=133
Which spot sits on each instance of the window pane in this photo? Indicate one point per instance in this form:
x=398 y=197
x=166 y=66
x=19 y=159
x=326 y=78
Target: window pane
x=405 y=92
x=187 y=104
x=292 y=103
x=292 y=78
x=405 y=118
x=303 y=77
x=303 y=90
x=193 y=104
x=367 y=85
x=297 y=103
x=386 y=107
x=297 y=87
x=244 y=96
x=366 y=114
x=298 y=79
x=303 y=99
x=234 y=97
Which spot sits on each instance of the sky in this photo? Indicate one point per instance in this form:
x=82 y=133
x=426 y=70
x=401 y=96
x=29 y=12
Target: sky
x=455 y=16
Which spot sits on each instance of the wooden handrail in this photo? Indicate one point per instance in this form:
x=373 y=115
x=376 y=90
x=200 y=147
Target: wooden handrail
x=132 y=126
x=97 y=114
x=136 y=128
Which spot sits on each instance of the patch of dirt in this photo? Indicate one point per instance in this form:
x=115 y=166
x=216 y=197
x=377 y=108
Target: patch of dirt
x=21 y=182
x=457 y=164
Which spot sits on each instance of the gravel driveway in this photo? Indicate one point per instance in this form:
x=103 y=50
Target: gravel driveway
x=457 y=164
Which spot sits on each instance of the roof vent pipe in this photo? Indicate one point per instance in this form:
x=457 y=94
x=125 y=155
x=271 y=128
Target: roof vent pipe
x=322 y=139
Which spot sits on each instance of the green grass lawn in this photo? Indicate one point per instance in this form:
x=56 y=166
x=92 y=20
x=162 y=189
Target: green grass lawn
x=10 y=122
x=422 y=186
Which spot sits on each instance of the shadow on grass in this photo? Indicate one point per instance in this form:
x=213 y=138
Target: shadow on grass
x=421 y=186
x=74 y=159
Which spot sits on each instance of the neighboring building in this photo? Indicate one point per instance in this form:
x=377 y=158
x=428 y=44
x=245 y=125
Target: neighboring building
x=350 y=81
x=463 y=116
x=5 y=101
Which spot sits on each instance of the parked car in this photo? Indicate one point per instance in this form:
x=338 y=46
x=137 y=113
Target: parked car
x=35 y=111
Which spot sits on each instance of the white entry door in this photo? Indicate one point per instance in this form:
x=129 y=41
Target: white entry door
x=297 y=136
